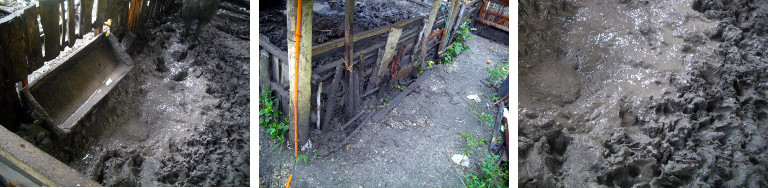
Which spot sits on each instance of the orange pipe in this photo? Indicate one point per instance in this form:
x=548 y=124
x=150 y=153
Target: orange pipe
x=505 y=18
x=296 y=84
x=288 y=185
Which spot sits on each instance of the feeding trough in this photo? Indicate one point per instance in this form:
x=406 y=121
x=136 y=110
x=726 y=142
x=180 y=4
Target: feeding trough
x=65 y=95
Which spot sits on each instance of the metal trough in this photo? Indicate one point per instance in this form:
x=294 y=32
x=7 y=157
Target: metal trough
x=64 y=95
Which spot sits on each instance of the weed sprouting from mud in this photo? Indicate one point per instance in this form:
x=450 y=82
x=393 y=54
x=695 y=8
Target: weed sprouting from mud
x=303 y=159
x=458 y=46
x=270 y=114
x=498 y=73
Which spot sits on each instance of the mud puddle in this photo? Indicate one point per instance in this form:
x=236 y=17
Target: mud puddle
x=645 y=109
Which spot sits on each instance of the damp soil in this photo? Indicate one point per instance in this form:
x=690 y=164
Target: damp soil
x=411 y=146
x=643 y=93
x=328 y=18
x=180 y=117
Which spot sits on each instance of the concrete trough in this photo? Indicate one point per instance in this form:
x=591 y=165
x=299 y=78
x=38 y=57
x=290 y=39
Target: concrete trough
x=64 y=95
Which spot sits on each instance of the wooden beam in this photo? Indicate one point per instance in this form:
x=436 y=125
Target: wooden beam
x=330 y=103
x=304 y=87
x=49 y=18
x=72 y=36
x=32 y=36
x=430 y=21
x=493 y=25
x=265 y=44
x=15 y=47
x=389 y=52
x=86 y=8
x=360 y=36
x=353 y=91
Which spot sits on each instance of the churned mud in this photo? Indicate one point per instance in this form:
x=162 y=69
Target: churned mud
x=179 y=118
x=411 y=146
x=643 y=93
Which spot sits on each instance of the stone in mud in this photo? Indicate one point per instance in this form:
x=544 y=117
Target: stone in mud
x=180 y=76
x=160 y=65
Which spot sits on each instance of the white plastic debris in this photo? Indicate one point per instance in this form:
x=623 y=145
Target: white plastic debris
x=474 y=97
x=460 y=159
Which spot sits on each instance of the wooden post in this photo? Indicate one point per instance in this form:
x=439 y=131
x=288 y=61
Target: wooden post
x=264 y=78
x=34 y=52
x=305 y=67
x=330 y=103
x=101 y=15
x=64 y=30
x=449 y=24
x=49 y=18
x=86 y=8
x=72 y=37
x=427 y=31
x=354 y=90
x=389 y=50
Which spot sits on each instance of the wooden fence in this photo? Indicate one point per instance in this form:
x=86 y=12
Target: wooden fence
x=368 y=54
x=26 y=43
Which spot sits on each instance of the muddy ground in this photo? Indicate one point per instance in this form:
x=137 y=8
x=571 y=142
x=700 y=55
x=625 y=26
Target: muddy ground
x=179 y=118
x=411 y=146
x=328 y=18
x=643 y=93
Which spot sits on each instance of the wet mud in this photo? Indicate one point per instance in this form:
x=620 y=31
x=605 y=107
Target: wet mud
x=328 y=18
x=643 y=93
x=179 y=118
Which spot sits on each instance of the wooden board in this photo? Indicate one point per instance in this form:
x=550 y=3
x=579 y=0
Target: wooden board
x=86 y=22
x=12 y=39
x=49 y=18
x=72 y=37
x=34 y=45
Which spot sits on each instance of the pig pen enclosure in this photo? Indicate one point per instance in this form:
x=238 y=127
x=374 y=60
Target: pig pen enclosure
x=115 y=91
x=386 y=66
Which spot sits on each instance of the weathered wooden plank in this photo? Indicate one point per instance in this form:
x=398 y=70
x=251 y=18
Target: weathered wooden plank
x=12 y=39
x=428 y=30
x=353 y=91
x=264 y=43
x=331 y=97
x=86 y=22
x=49 y=18
x=275 y=62
x=71 y=22
x=264 y=74
x=373 y=32
x=389 y=50
x=63 y=17
x=32 y=36
x=493 y=25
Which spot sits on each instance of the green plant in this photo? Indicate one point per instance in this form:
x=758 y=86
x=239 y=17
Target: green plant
x=458 y=46
x=302 y=159
x=315 y=156
x=387 y=99
x=498 y=73
x=473 y=142
x=269 y=119
x=486 y=119
x=491 y=175
x=401 y=88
